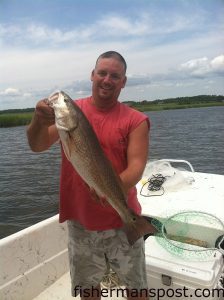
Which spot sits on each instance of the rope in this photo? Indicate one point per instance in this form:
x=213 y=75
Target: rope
x=154 y=184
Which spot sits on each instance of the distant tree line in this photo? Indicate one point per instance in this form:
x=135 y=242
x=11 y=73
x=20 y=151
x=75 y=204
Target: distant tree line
x=181 y=100
x=178 y=100
x=12 y=111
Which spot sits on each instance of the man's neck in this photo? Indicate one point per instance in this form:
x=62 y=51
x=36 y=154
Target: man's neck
x=103 y=105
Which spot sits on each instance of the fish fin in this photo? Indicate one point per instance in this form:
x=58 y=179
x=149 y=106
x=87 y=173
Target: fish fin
x=67 y=152
x=121 y=185
x=66 y=144
x=138 y=228
x=99 y=199
x=93 y=194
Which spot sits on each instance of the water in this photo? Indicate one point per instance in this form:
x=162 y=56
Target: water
x=195 y=134
x=29 y=182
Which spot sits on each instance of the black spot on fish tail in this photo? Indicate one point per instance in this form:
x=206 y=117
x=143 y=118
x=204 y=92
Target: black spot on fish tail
x=138 y=228
x=156 y=223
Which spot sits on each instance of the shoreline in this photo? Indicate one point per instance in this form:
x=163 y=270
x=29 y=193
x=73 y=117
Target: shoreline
x=19 y=118
x=169 y=106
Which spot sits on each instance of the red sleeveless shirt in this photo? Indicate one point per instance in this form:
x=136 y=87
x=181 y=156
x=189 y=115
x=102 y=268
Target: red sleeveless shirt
x=112 y=128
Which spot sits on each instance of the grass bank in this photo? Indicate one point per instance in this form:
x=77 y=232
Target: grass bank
x=18 y=117
x=166 y=106
x=15 y=119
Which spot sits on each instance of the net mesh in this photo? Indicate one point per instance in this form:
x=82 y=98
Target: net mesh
x=190 y=235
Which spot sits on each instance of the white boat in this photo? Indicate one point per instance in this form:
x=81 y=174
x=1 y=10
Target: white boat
x=34 y=264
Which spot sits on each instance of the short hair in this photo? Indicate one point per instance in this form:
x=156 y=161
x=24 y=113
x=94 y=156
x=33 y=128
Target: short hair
x=113 y=54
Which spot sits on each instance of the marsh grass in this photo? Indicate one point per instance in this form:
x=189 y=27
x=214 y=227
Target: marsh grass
x=166 y=106
x=15 y=119
x=11 y=118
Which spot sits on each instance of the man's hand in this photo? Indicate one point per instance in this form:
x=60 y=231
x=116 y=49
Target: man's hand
x=42 y=132
x=44 y=114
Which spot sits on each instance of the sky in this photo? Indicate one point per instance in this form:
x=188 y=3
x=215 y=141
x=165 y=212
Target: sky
x=173 y=48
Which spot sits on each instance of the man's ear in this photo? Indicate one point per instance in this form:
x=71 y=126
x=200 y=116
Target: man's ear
x=92 y=74
x=124 y=81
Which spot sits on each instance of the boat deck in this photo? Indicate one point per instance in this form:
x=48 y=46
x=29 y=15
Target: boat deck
x=60 y=290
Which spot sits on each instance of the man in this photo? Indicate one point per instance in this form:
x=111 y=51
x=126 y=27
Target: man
x=95 y=228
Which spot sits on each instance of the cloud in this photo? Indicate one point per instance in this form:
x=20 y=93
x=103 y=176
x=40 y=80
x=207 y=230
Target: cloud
x=136 y=80
x=40 y=33
x=10 y=92
x=15 y=98
x=78 y=88
x=112 y=25
x=115 y=25
x=202 y=67
x=217 y=64
x=198 y=66
x=37 y=34
x=164 y=49
x=109 y=26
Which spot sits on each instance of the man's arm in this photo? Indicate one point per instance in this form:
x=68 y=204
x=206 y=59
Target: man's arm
x=42 y=132
x=137 y=154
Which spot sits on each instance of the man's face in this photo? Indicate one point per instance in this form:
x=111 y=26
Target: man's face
x=108 y=79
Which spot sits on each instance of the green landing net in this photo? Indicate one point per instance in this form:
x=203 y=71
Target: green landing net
x=191 y=235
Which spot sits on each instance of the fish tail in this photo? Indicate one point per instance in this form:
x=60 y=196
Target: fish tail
x=140 y=227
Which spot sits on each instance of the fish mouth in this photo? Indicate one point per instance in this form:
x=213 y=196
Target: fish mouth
x=52 y=99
